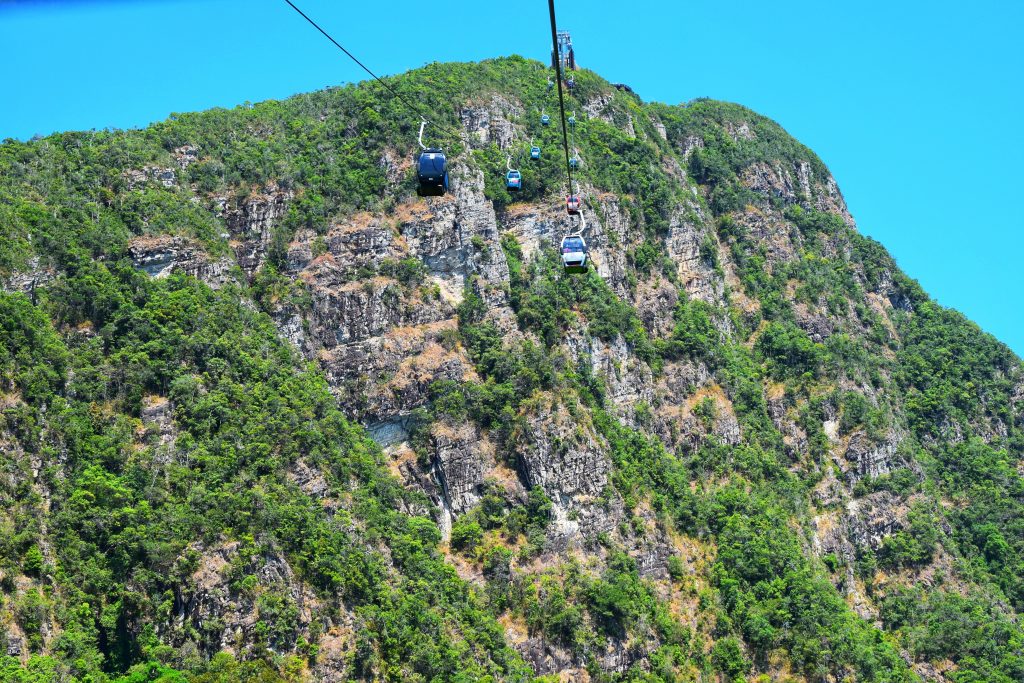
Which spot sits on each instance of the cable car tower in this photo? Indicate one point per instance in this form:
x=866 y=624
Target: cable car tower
x=565 y=57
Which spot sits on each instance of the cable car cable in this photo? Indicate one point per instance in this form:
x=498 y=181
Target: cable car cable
x=367 y=70
x=558 y=77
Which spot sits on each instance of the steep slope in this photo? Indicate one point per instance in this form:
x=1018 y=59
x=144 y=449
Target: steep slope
x=269 y=415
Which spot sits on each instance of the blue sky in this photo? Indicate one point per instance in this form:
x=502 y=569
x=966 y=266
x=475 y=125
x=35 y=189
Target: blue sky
x=915 y=106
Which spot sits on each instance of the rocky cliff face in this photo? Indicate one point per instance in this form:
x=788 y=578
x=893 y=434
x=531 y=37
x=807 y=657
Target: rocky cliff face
x=599 y=451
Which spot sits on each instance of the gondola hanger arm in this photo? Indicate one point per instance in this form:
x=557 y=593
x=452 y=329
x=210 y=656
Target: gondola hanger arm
x=423 y=124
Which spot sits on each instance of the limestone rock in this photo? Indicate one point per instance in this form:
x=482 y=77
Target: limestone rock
x=251 y=222
x=490 y=122
x=160 y=256
x=868 y=459
x=383 y=378
x=185 y=155
x=687 y=233
x=627 y=379
x=874 y=517
x=217 y=615
x=562 y=454
x=462 y=456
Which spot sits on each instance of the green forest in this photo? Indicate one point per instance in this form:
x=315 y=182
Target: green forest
x=109 y=522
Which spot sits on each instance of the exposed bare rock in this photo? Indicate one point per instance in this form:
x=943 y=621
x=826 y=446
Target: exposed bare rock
x=597 y=107
x=462 y=456
x=690 y=143
x=534 y=227
x=772 y=231
x=770 y=180
x=432 y=233
x=136 y=178
x=818 y=326
x=863 y=523
x=385 y=377
x=476 y=219
x=15 y=645
x=803 y=174
x=794 y=438
x=739 y=131
x=222 y=616
x=336 y=649
x=1017 y=400
x=687 y=232
x=868 y=459
x=651 y=553
x=933 y=672
x=185 y=155
x=537 y=228
x=562 y=453
x=311 y=481
x=627 y=379
x=163 y=255
x=660 y=127
x=685 y=422
x=892 y=294
x=831 y=200
x=600 y=107
x=380 y=341
x=251 y=223
x=458 y=238
x=618 y=656
x=547 y=658
x=830 y=490
x=158 y=418
x=874 y=517
x=367 y=308
x=672 y=417
x=490 y=122
x=558 y=450
x=363 y=242
x=795 y=184
x=680 y=379
x=612 y=233
x=28 y=280
x=656 y=300
x=395 y=165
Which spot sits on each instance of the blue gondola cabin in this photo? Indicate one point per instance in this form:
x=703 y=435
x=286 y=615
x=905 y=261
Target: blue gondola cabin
x=432 y=173
x=514 y=180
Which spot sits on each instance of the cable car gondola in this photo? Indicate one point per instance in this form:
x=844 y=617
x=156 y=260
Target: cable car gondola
x=545 y=119
x=574 y=254
x=432 y=173
x=572 y=204
x=514 y=180
x=535 y=152
x=431 y=169
x=572 y=120
x=574 y=162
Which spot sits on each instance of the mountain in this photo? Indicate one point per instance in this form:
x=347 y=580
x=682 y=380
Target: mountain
x=268 y=415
